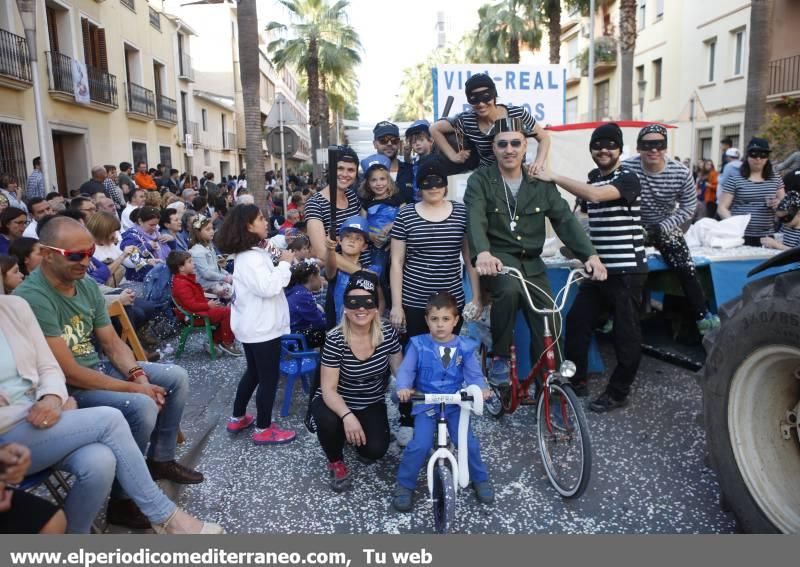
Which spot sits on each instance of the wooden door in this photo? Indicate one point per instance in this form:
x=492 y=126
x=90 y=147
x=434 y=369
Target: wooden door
x=61 y=166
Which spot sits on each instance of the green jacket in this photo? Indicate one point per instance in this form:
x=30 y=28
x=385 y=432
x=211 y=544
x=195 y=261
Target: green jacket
x=488 y=223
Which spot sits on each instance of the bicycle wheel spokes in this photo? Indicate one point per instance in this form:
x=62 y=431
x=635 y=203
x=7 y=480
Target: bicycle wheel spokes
x=444 y=499
x=564 y=440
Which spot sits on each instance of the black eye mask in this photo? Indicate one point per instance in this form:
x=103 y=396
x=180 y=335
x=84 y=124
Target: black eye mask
x=358 y=301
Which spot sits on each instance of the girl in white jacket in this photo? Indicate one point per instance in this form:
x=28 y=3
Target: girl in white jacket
x=259 y=318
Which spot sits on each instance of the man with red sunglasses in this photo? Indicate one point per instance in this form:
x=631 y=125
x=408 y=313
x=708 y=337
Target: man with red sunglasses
x=72 y=312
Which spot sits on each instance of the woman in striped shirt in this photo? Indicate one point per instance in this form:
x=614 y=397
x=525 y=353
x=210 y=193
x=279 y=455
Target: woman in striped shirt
x=350 y=405
x=755 y=191
x=478 y=125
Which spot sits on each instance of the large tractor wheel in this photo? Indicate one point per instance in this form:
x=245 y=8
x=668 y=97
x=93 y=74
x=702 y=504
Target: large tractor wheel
x=751 y=404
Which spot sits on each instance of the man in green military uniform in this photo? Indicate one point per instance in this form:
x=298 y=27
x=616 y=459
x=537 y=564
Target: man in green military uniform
x=506 y=226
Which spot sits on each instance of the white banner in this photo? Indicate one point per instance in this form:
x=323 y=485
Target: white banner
x=80 y=82
x=189 y=146
x=540 y=89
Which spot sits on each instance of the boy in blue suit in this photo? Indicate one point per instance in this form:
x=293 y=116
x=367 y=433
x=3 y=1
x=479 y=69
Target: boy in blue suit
x=438 y=363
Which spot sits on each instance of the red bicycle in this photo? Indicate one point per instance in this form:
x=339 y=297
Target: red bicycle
x=563 y=435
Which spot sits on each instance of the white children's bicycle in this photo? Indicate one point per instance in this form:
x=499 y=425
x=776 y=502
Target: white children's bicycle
x=446 y=473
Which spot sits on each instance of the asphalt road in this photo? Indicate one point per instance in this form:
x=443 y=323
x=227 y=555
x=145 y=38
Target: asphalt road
x=648 y=473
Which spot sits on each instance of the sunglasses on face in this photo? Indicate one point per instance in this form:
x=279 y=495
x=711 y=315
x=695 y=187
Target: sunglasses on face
x=758 y=155
x=72 y=255
x=649 y=145
x=503 y=144
x=604 y=145
x=386 y=140
x=359 y=301
x=433 y=182
x=477 y=98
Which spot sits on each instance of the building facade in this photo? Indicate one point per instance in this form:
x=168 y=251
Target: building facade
x=107 y=72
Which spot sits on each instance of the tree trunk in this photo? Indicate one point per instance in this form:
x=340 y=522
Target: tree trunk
x=553 y=14
x=324 y=114
x=627 y=45
x=312 y=73
x=513 y=50
x=247 y=23
x=757 y=68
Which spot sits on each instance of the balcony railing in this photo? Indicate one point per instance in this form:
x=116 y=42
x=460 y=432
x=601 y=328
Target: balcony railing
x=192 y=128
x=102 y=86
x=186 y=71
x=60 y=67
x=155 y=19
x=15 y=60
x=784 y=75
x=141 y=100
x=229 y=141
x=166 y=109
x=131 y=4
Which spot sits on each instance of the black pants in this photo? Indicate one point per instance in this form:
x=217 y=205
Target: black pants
x=752 y=241
x=620 y=295
x=330 y=430
x=416 y=325
x=263 y=371
x=671 y=244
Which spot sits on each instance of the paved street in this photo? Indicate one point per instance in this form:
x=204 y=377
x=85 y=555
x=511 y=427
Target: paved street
x=648 y=474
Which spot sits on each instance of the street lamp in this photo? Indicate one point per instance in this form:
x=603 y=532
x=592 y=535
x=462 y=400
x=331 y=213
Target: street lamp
x=642 y=89
x=27 y=12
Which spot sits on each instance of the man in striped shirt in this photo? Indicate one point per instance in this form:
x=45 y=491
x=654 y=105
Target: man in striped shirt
x=668 y=202
x=615 y=227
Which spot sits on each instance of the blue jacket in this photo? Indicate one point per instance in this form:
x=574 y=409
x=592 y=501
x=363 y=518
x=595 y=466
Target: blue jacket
x=303 y=311
x=422 y=367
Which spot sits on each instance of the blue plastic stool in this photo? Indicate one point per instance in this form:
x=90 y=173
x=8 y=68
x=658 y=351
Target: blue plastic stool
x=297 y=362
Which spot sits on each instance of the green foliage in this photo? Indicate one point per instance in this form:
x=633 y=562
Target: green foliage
x=783 y=130
x=605 y=51
x=416 y=100
x=503 y=29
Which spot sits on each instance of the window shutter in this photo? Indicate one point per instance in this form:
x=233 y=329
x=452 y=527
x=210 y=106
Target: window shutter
x=102 y=54
x=87 y=41
x=52 y=32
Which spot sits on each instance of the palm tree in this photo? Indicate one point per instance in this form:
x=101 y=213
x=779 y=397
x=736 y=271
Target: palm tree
x=758 y=68
x=337 y=72
x=551 y=11
x=417 y=97
x=503 y=29
x=627 y=45
x=318 y=27
x=247 y=24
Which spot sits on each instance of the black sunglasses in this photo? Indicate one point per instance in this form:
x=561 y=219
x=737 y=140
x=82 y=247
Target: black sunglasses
x=758 y=154
x=648 y=145
x=505 y=143
x=386 y=140
x=604 y=145
x=477 y=98
x=359 y=301
x=433 y=182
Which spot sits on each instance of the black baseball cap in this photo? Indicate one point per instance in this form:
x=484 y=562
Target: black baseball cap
x=385 y=128
x=431 y=173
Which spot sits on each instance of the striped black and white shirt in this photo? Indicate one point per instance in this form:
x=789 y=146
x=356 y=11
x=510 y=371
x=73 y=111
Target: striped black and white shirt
x=433 y=254
x=791 y=236
x=318 y=208
x=468 y=122
x=668 y=198
x=616 y=226
x=750 y=198
x=361 y=382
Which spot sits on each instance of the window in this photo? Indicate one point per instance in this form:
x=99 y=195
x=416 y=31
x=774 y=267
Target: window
x=711 y=56
x=12 y=152
x=657 y=65
x=204 y=118
x=207 y=158
x=165 y=156
x=704 y=139
x=139 y=151
x=224 y=131
x=572 y=53
x=640 y=86
x=601 y=106
x=572 y=110
x=734 y=132
x=659 y=9
x=738 y=52
x=94 y=45
x=642 y=13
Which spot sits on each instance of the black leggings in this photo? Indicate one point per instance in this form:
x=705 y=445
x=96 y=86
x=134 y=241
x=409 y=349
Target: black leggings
x=330 y=430
x=671 y=244
x=263 y=370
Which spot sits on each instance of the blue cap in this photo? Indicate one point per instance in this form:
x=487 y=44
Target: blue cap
x=374 y=161
x=357 y=224
x=385 y=128
x=418 y=127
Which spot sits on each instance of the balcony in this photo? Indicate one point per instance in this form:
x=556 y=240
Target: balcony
x=228 y=141
x=166 y=111
x=130 y=4
x=186 y=71
x=155 y=19
x=102 y=85
x=784 y=78
x=141 y=102
x=193 y=130
x=605 y=56
x=15 y=61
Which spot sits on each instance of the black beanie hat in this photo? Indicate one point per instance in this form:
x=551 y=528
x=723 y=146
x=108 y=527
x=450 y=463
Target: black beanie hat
x=366 y=280
x=478 y=81
x=609 y=131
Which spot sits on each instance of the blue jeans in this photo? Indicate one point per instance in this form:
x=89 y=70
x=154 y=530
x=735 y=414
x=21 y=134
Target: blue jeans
x=416 y=453
x=92 y=444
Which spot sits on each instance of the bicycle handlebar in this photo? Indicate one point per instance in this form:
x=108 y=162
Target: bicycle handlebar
x=456 y=398
x=575 y=275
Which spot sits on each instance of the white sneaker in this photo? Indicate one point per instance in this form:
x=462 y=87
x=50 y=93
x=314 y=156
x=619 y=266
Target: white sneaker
x=404 y=435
